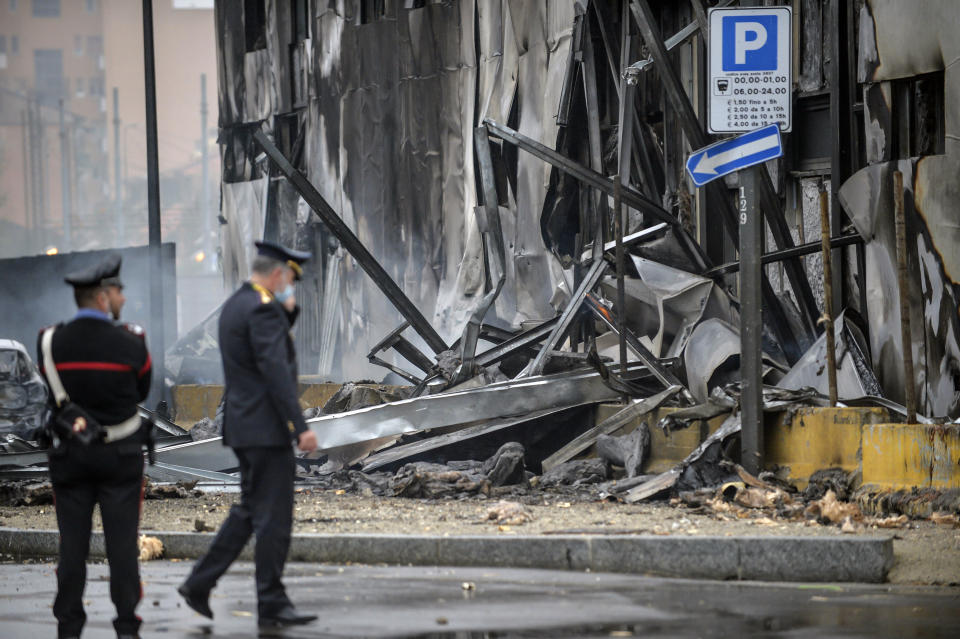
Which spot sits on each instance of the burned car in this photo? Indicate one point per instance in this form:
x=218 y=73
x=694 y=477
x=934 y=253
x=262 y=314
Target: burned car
x=23 y=393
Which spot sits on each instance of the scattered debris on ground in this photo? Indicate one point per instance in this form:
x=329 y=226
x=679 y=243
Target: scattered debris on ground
x=509 y=513
x=150 y=548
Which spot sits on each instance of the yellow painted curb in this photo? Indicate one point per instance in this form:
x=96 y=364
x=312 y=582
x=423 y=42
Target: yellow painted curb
x=816 y=438
x=809 y=440
x=900 y=456
x=192 y=402
x=665 y=449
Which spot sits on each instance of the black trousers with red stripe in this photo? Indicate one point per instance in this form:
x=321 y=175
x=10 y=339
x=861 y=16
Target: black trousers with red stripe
x=110 y=475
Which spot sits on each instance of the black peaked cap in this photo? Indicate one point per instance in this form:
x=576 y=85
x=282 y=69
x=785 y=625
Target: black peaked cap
x=292 y=258
x=103 y=273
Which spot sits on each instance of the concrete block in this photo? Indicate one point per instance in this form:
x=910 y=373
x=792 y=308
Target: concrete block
x=817 y=438
x=903 y=456
x=367 y=549
x=688 y=557
x=29 y=543
x=861 y=559
x=193 y=402
x=666 y=450
x=316 y=394
x=191 y=545
x=560 y=552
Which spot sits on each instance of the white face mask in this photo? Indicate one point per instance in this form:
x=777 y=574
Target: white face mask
x=285 y=294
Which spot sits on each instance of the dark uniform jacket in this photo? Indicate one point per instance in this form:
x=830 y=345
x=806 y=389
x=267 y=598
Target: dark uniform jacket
x=260 y=371
x=104 y=366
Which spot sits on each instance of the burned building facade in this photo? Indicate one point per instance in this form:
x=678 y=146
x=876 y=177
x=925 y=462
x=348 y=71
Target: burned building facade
x=478 y=150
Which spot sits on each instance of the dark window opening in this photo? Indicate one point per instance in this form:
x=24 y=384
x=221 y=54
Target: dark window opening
x=918 y=116
x=813 y=147
x=46 y=8
x=372 y=11
x=94 y=46
x=97 y=87
x=48 y=74
x=255 y=24
x=301 y=20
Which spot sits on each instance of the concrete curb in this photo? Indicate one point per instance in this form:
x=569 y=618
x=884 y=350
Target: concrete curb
x=811 y=559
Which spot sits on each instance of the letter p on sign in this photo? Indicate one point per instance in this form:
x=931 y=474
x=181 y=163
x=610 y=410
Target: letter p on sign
x=750 y=36
x=750 y=43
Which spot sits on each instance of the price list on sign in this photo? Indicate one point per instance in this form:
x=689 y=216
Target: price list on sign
x=750 y=83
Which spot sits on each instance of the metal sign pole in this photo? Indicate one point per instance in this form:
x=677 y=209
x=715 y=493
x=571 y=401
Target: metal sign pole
x=751 y=324
x=157 y=324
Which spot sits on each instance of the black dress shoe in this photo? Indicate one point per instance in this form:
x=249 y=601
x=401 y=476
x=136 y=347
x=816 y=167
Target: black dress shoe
x=287 y=616
x=196 y=601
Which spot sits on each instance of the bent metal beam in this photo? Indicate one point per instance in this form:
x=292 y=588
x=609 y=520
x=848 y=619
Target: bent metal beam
x=353 y=245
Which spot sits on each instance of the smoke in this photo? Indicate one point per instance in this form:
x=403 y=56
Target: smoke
x=35 y=295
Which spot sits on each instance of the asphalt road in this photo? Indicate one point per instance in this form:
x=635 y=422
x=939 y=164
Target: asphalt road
x=474 y=603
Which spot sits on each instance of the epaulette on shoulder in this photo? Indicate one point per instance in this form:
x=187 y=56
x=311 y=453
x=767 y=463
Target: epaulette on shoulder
x=57 y=325
x=136 y=329
x=265 y=297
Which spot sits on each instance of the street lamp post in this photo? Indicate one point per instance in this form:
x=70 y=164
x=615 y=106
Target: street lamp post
x=153 y=206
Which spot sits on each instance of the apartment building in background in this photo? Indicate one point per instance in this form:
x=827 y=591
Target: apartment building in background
x=73 y=159
x=52 y=121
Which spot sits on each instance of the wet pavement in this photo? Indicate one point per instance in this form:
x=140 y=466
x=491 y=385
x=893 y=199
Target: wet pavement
x=474 y=603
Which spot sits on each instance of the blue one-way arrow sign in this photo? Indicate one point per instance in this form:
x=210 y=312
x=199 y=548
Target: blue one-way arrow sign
x=734 y=154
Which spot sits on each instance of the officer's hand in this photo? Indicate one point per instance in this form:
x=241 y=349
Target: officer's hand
x=307 y=441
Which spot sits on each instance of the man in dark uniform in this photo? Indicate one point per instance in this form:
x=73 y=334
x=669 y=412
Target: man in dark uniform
x=261 y=420
x=104 y=367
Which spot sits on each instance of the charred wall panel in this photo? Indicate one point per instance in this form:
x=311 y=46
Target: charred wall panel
x=377 y=104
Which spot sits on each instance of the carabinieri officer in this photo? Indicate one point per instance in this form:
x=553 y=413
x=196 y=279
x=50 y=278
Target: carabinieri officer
x=104 y=368
x=262 y=418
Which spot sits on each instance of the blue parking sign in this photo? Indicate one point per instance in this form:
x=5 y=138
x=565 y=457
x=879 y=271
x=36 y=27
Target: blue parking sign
x=751 y=43
x=750 y=82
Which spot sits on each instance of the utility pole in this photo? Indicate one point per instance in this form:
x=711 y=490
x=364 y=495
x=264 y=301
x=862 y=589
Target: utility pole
x=29 y=217
x=751 y=324
x=65 y=181
x=204 y=161
x=153 y=208
x=36 y=167
x=117 y=202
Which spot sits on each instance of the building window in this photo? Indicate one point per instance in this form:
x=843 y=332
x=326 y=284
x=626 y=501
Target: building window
x=48 y=73
x=80 y=92
x=94 y=46
x=255 y=24
x=14 y=45
x=97 y=86
x=46 y=8
x=13 y=6
x=91 y=6
x=78 y=45
x=301 y=20
x=372 y=11
x=3 y=44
